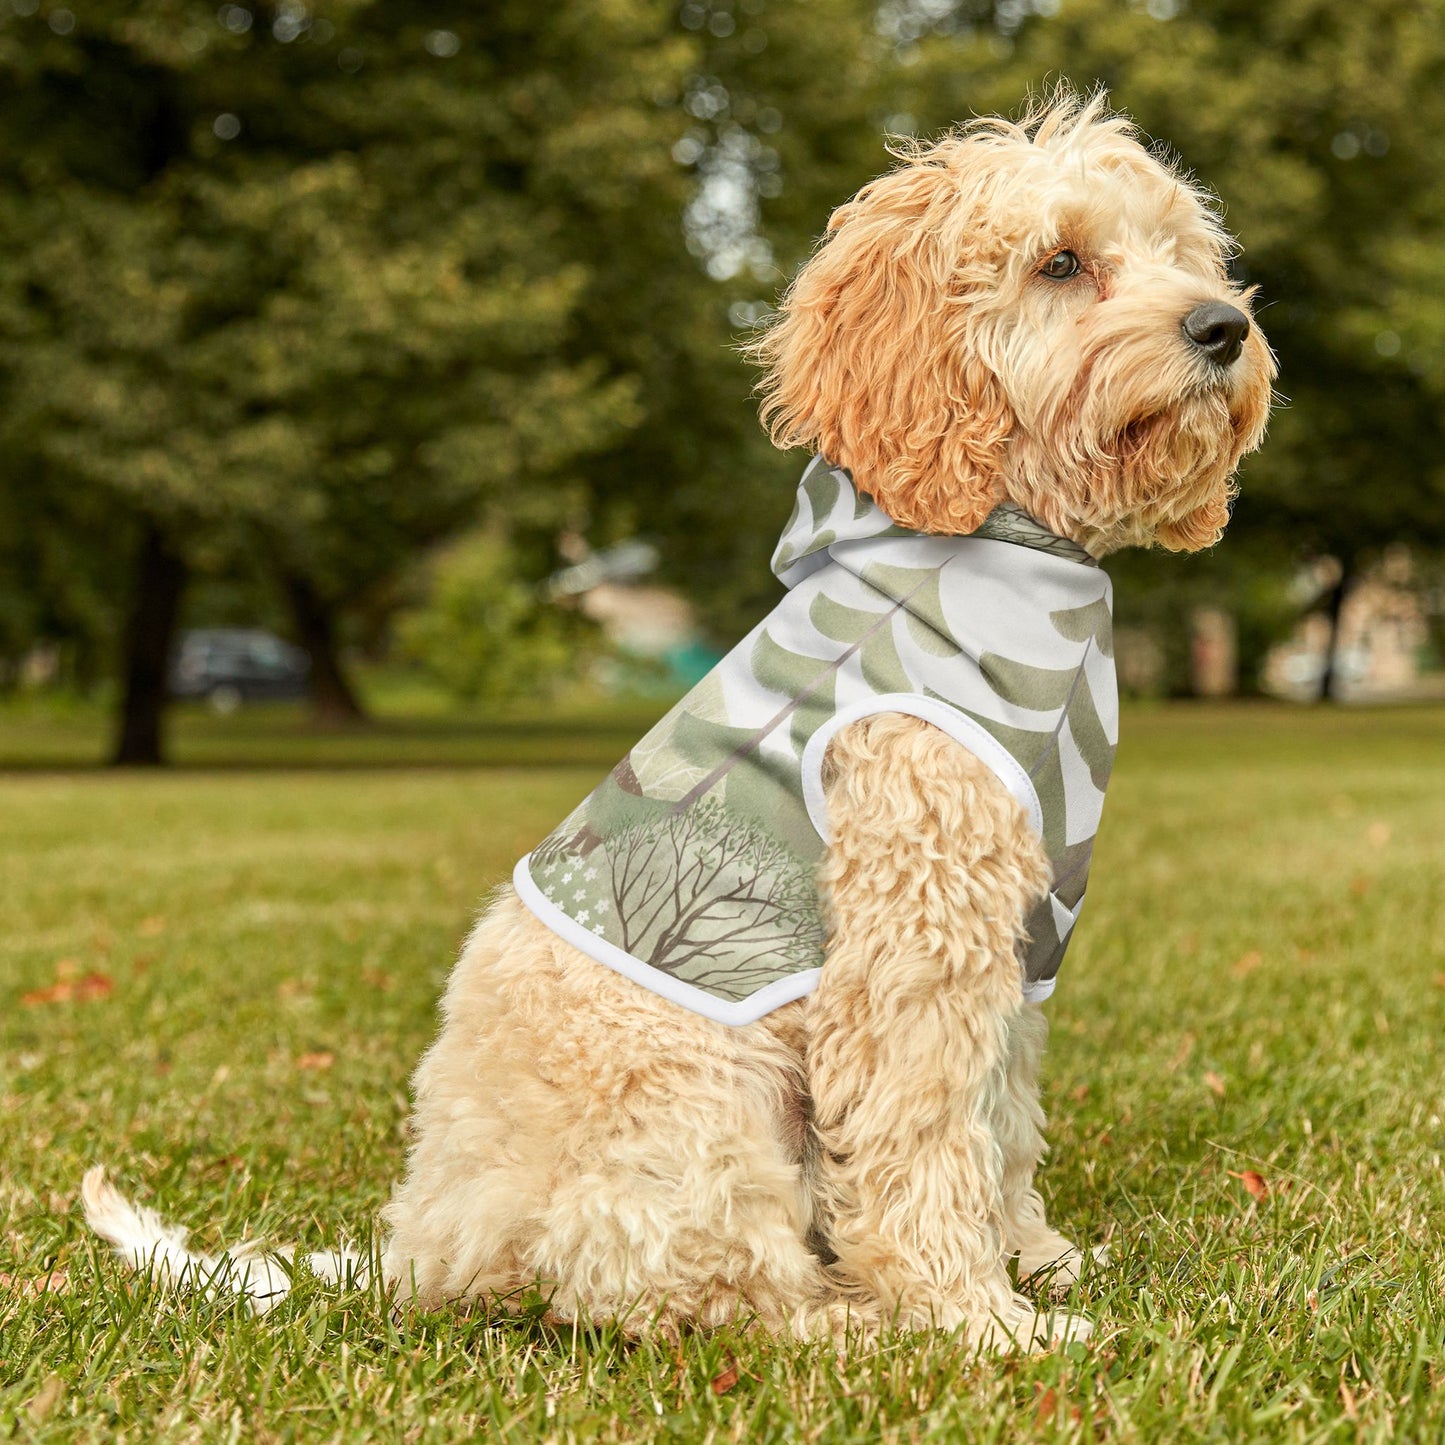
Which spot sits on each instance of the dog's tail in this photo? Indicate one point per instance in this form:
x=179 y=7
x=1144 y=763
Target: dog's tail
x=147 y=1243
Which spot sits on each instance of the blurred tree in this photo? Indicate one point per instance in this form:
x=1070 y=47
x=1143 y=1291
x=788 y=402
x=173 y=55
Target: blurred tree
x=1250 y=576
x=485 y=634
x=289 y=281
x=781 y=111
x=324 y=285
x=59 y=571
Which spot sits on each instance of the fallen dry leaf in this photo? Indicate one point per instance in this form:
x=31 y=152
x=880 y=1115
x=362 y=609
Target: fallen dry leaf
x=67 y=990
x=1248 y=962
x=1255 y=1184
x=726 y=1379
x=1046 y=1407
x=1378 y=834
x=322 y=1059
x=151 y=927
x=1360 y=885
x=56 y=993
x=1214 y=1083
x=1440 y=980
x=377 y=978
x=1080 y=1094
x=56 y=1282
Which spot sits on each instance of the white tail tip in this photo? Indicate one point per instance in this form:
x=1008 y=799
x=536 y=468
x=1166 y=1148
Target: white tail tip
x=148 y=1244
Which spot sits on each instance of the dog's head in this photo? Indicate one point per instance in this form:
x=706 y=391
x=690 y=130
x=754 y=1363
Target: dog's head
x=1034 y=311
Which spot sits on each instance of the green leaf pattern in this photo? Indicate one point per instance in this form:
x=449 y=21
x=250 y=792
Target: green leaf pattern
x=697 y=856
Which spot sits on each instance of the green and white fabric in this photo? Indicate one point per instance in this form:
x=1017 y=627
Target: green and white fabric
x=692 y=868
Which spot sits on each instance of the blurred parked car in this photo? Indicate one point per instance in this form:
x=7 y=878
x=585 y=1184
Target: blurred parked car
x=230 y=665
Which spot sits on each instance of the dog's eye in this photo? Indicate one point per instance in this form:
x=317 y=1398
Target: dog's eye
x=1060 y=266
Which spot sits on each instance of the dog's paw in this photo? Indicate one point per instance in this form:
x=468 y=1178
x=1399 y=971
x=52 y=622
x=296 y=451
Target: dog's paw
x=1058 y=1271
x=1023 y=1326
x=1060 y=1327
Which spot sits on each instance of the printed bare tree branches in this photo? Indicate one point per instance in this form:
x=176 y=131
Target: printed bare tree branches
x=699 y=887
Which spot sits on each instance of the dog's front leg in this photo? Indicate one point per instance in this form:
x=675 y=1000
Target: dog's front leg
x=1043 y=1253
x=930 y=874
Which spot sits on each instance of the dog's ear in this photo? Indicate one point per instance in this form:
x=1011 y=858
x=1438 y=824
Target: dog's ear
x=874 y=360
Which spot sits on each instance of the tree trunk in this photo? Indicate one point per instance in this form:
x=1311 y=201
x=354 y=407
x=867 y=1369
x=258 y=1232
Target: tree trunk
x=333 y=699
x=160 y=578
x=1329 y=676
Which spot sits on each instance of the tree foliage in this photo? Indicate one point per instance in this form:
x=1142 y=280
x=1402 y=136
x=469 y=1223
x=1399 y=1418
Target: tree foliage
x=483 y=632
x=316 y=287
x=301 y=290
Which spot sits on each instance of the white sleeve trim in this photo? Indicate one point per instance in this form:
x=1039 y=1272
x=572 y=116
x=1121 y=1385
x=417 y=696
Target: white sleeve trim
x=699 y=1001
x=958 y=725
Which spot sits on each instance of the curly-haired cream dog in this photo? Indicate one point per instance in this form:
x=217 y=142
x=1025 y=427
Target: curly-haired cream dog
x=752 y=1033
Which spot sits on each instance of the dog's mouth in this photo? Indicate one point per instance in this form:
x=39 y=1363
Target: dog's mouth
x=1137 y=435
x=1220 y=408
x=1176 y=455
x=1178 y=427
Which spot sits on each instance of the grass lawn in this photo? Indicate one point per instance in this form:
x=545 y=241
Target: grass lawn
x=216 y=980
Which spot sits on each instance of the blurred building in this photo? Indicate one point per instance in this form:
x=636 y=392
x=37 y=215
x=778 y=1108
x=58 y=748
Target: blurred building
x=653 y=629
x=1382 y=651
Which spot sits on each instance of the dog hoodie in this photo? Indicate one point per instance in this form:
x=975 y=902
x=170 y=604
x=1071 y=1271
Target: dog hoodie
x=692 y=869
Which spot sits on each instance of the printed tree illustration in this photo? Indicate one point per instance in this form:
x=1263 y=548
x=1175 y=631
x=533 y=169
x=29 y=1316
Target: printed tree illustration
x=715 y=883
x=710 y=899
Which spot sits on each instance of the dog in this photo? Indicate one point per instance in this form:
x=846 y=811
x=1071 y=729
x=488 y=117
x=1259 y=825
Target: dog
x=1014 y=353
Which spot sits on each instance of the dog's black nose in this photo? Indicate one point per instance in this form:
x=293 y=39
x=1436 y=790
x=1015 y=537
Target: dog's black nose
x=1218 y=330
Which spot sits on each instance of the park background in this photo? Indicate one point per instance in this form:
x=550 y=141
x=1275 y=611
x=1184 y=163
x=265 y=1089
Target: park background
x=360 y=327
x=408 y=334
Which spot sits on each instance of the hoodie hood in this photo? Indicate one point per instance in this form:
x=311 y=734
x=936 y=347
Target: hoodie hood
x=829 y=509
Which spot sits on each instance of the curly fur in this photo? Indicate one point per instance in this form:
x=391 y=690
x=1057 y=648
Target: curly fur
x=865 y=1156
